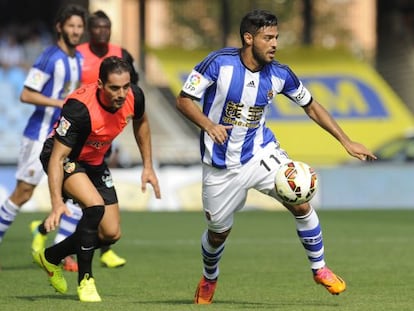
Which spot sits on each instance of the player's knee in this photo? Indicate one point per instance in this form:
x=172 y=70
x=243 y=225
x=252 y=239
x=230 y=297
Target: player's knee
x=217 y=239
x=107 y=242
x=111 y=236
x=91 y=217
x=300 y=209
x=22 y=193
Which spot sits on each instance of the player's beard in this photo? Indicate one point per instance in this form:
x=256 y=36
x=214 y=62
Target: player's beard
x=260 y=57
x=71 y=43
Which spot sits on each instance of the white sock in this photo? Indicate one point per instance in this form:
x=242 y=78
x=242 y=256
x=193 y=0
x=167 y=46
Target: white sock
x=211 y=257
x=8 y=213
x=68 y=224
x=310 y=234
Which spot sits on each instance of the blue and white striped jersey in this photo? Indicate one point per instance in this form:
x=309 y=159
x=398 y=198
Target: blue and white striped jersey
x=231 y=94
x=55 y=75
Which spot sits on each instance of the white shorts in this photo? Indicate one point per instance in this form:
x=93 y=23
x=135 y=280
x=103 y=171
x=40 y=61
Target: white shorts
x=225 y=190
x=29 y=167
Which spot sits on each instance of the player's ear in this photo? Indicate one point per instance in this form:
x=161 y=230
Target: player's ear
x=248 y=38
x=100 y=84
x=58 y=28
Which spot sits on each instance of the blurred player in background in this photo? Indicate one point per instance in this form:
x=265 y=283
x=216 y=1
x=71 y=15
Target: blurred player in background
x=239 y=152
x=54 y=75
x=93 y=51
x=92 y=117
x=98 y=47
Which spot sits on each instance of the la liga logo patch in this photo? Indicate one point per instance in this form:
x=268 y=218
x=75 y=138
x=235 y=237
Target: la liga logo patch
x=63 y=127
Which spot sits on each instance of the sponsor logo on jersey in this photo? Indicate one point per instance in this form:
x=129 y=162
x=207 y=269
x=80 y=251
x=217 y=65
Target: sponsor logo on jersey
x=233 y=115
x=250 y=84
x=107 y=179
x=97 y=144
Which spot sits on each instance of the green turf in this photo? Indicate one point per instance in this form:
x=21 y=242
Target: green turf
x=263 y=268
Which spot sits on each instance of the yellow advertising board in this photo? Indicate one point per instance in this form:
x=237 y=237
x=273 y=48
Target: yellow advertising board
x=358 y=98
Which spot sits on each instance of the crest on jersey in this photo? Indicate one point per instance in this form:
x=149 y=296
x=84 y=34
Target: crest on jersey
x=63 y=127
x=129 y=118
x=270 y=95
x=69 y=167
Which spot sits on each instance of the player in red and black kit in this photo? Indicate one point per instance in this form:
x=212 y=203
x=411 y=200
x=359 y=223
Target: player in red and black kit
x=92 y=117
x=98 y=47
x=93 y=52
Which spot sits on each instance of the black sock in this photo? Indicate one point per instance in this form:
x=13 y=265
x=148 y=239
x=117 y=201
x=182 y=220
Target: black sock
x=54 y=254
x=42 y=228
x=104 y=249
x=88 y=238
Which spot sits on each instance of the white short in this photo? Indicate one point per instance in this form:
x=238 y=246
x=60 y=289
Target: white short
x=225 y=190
x=29 y=167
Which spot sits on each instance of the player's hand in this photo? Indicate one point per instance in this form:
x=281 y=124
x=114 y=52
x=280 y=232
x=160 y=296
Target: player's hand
x=218 y=133
x=52 y=221
x=359 y=151
x=149 y=176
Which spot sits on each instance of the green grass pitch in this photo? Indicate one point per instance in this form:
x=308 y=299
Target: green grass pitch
x=263 y=268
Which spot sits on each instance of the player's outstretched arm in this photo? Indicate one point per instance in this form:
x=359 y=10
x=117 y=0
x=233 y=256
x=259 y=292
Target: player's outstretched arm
x=322 y=117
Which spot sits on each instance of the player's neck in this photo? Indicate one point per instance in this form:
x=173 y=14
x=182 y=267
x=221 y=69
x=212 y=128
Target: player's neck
x=99 y=49
x=249 y=61
x=69 y=50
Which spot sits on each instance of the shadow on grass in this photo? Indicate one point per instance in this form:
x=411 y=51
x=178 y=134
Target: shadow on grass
x=249 y=305
x=29 y=266
x=51 y=296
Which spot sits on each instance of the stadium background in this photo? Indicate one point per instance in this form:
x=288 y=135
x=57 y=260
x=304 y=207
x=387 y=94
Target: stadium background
x=355 y=56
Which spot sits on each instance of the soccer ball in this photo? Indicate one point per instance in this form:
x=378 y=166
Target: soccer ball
x=296 y=182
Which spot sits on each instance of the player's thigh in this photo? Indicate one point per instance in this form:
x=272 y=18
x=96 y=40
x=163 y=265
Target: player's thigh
x=110 y=226
x=223 y=194
x=264 y=166
x=79 y=187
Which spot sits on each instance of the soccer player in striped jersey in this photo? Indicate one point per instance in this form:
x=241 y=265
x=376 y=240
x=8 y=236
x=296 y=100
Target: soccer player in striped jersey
x=54 y=75
x=236 y=87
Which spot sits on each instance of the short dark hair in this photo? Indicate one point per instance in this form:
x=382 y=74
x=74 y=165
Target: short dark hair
x=113 y=64
x=68 y=11
x=97 y=15
x=255 y=20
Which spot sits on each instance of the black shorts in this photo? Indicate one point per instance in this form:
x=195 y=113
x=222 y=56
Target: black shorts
x=99 y=175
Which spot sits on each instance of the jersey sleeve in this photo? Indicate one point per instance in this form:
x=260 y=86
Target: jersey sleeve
x=195 y=85
x=201 y=77
x=74 y=124
x=40 y=73
x=139 y=102
x=295 y=90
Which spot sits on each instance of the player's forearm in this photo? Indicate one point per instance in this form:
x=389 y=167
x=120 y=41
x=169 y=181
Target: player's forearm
x=192 y=112
x=142 y=133
x=35 y=98
x=55 y=181
x=318 y=114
